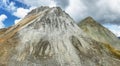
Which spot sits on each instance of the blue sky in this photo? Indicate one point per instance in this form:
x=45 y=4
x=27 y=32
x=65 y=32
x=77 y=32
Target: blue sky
x=9 y=21
x=106 y=12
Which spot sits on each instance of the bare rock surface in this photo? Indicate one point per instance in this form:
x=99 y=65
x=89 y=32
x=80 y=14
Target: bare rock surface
x=50 y=37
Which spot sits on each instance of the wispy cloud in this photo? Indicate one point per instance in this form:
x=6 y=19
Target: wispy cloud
x=7 y=5
x=2 y=18
x=61 y=3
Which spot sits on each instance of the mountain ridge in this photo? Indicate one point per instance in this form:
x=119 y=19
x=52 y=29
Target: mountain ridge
x=98 y=32
x=52 y=38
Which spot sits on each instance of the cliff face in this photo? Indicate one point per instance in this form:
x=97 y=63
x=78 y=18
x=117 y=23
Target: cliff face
x=50 y=37
x=99 y=33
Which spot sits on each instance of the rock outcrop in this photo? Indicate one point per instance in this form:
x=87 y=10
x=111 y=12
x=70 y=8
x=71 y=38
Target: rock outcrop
x=50 y=37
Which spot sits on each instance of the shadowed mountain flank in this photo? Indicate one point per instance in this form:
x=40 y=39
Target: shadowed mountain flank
x=50 y=37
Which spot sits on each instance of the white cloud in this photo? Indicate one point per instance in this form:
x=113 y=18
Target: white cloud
x=21 y=12
x=3 y=17
x=76 y=9
x=7 y=5
x=104 y=11
x=4 y=3
x=11 y=7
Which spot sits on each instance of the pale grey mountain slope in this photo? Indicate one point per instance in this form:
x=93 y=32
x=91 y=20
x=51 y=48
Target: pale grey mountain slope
x=50 y=37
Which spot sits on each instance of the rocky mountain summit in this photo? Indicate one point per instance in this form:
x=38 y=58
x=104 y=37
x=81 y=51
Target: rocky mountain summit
x=98 y=32
x=50 y=37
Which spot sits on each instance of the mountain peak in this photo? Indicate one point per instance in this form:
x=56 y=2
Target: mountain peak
x=89 y=18
x=50 y=37
x=44 y=8
x=98 y=32
x=51 y=18
x=47 y=39
x=89 y=21
x=40 y=17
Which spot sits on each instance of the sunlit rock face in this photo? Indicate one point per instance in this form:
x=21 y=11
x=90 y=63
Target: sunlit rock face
x=46 y=40
x=99 y=32
x=50 y=37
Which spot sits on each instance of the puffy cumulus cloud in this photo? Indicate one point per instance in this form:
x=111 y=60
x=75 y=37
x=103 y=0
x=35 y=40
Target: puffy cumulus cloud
x=21 y=12
x=3 y=17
